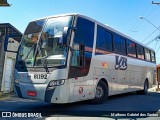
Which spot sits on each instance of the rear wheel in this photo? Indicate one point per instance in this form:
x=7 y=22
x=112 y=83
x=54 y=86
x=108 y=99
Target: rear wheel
x=145 y=89
x=146 y=86
x=101 y=94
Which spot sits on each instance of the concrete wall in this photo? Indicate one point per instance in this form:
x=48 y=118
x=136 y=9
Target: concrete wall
x=2 y=58
x=7 y=69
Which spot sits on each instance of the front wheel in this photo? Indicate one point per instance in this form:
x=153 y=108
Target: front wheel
x=101 y=94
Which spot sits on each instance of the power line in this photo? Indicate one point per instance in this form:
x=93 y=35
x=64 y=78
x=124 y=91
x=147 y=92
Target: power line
x=138 y=22
x=156 y=44
x=149 y=10
x=149 y=22
x=150 y=35
x=155 y=39
x=155 y=15
x=148 y=16
x=150 y=41
x=158 y=49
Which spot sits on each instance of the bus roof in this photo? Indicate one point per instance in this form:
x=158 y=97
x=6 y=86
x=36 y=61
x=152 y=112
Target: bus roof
x=106 y=26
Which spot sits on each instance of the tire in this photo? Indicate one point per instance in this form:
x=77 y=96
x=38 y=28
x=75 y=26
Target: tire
x=146 y=86
x=101 y=94
x=145 y=89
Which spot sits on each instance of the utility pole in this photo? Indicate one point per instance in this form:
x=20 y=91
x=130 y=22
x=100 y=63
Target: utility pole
x=156 y=3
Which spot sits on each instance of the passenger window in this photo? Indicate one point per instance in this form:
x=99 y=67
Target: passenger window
x=147 y=54
x=85 y=32
x=131 y=48
x=153 y=56
x=140 y=52
x=104 y=39
x=119 y=45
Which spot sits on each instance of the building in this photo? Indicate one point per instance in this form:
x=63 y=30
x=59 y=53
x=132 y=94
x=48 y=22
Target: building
x=158 y=76
x=158 y=72
x=4 y=3
x=7 y=59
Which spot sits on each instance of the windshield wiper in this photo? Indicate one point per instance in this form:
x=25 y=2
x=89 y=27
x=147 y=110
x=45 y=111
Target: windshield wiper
x=22 y=62
x=43 y=60
x=29 y=52
x=44 y=63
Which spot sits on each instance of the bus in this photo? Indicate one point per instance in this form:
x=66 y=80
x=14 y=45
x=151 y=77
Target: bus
x=71 y=57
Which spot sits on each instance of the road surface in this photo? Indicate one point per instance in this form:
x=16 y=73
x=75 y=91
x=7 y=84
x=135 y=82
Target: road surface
x=115 y=107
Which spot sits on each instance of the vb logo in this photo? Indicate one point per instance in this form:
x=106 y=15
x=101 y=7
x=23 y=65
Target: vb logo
x=121 y=63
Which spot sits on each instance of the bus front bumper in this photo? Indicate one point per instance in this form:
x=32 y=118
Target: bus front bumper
x=34 y=91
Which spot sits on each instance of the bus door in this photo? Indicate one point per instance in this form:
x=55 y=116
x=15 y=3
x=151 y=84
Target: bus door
x=80 y=61
x=82 y=85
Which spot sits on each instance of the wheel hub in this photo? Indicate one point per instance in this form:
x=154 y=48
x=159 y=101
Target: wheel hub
x=99 y=92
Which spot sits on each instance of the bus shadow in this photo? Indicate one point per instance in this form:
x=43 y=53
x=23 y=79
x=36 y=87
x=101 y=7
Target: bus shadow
x=121 y=104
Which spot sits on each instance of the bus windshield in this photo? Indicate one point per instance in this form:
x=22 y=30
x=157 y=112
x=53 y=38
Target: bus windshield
x=42 y=43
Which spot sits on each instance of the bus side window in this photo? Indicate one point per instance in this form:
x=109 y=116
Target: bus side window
x=78 y=58
x=74 y=59
x=147 y=54
x=75 y=55
x=153 y=56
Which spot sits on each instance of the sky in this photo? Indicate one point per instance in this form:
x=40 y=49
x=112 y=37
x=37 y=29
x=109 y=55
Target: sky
x=122 y=15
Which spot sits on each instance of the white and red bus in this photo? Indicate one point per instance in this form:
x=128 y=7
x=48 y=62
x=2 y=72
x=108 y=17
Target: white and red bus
x=71 y=57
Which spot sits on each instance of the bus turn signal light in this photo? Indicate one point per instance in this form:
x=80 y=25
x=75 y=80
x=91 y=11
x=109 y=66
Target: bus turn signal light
x=31 y=93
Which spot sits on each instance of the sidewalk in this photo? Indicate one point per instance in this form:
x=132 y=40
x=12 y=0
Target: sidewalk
x=4 y=96
x=154 y=89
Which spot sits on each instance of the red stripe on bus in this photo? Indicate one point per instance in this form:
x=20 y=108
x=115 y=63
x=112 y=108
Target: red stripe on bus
x=102 y=51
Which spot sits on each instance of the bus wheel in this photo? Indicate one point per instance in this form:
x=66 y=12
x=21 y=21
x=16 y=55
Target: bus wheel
x=145 y=89
x=101 y=94
x=146 y=86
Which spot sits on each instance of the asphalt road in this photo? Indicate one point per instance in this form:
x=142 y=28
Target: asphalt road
x=116 y=105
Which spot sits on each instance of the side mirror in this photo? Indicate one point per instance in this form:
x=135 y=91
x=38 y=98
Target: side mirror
x=10 y=45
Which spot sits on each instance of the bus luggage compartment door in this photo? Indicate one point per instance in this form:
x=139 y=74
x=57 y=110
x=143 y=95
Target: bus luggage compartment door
x=83 y=90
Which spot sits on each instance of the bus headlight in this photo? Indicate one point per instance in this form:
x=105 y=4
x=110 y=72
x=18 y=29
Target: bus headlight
x=56 y=83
